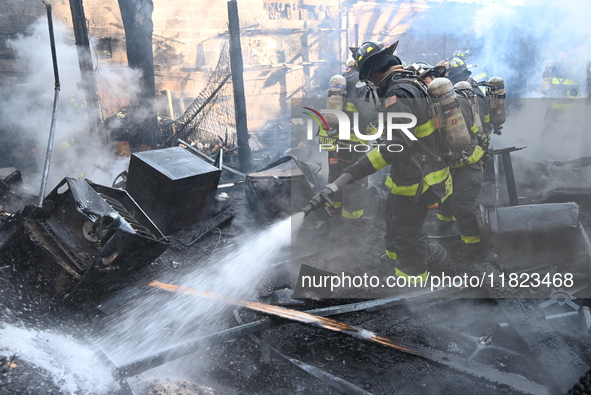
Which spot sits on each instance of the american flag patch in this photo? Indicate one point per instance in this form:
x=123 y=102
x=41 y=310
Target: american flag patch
x=389 y=101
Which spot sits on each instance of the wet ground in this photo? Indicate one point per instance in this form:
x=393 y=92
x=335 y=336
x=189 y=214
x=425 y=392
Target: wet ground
x=540 y=345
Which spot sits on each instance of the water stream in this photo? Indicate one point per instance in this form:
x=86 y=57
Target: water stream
x=154 y=319
x=73 y=366
x=158 y=319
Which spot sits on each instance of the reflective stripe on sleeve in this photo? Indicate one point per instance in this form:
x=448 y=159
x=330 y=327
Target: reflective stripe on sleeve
x=376 y=159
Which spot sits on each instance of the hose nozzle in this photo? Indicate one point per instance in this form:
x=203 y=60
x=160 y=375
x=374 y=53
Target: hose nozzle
x=322 y=199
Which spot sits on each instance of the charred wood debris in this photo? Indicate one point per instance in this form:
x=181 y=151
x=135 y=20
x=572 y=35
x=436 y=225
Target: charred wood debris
x=89 y=247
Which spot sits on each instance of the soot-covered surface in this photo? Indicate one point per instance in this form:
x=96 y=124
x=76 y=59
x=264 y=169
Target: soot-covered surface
x=465 y=324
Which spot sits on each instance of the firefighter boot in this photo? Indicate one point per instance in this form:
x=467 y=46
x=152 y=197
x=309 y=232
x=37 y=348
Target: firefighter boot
x=436 y=256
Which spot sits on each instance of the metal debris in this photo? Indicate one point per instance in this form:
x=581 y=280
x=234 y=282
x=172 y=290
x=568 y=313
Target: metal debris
x=471 y=367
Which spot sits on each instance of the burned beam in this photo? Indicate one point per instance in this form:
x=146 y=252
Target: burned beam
x=141 y=365
x=85 y=62
x=238 y=85
x=470 y=367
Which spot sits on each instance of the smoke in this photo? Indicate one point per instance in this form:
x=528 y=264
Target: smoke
x=516 y=42
x=26 y=112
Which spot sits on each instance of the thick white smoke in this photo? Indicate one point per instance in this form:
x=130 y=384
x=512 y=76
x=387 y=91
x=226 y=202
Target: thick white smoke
x=26 y=114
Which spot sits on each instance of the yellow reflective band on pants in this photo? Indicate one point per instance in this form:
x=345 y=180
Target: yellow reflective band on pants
x=376 y=159
x=430 y=179
x=446 y=219
x=471 y=239
x=337 y=204
x=354 y=215
x=486 y=118
x=474 y=129
x=420 y=278
x=475 y=157
x=425 y=129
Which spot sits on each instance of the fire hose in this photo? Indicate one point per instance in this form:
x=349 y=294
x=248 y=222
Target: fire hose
x=322 y=199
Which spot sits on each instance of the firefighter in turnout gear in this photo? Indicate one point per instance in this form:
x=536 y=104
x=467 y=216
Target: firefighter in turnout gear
x=419 y=177
x=467 y=176
x=348 y=202
x=475 y=57
x=560 y=83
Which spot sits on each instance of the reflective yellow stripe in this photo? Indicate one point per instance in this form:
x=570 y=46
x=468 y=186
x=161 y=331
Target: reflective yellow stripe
x=410 y=190
x=563 y=106
x=420 y=278
x=350 y=107
x=377 y=160
x=337 y=204
x=446 y=219
x=480 y=76
x=392 y=255
x=475 y=157
x=474 y=129
x=470 y=239
x=563 y=81
x=486 y=118
x=354 y=215
x=425 y=129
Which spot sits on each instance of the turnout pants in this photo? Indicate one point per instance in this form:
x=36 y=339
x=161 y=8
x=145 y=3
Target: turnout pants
x=406 y=243
x=461 y=205
x=348 y=201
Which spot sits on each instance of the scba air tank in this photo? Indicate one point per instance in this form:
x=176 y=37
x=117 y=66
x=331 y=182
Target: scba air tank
x=466 y=88
x=335 y=98
x=454 y=130
x=496 y=98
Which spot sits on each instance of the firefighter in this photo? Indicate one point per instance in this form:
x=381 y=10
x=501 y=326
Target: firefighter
x=475 y=56
x=426 y=72
x=419 y=177
x=467 y=176
x=348 y=202
x=562 y=87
